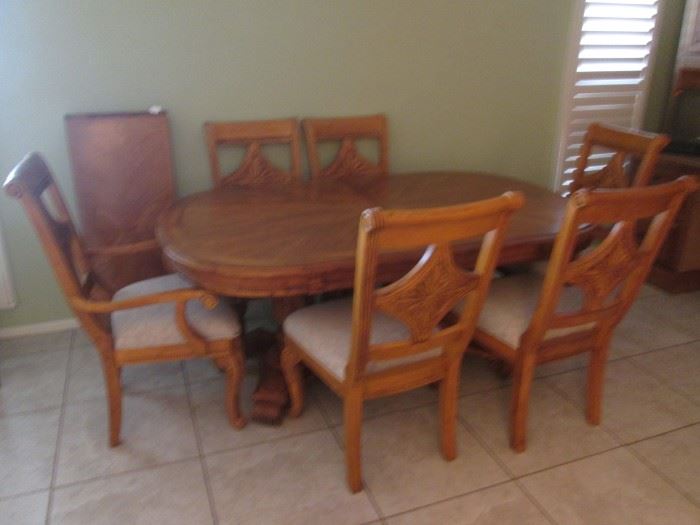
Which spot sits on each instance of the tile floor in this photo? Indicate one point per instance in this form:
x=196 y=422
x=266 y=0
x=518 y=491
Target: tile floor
x=180 y=462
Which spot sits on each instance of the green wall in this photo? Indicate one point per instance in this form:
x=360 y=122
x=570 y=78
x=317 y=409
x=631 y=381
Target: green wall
x=471 y=84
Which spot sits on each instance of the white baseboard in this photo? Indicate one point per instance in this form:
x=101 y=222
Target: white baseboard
x=39 y=328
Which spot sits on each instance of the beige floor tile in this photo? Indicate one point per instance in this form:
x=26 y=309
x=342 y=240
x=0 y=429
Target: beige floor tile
x=681 y=310
x=332 y=405
x=216 y=432
x=27 y=447
x=559 y=366
x=642 y=330
x=35 y=343
x=86 y=382
x=557 y=431
x=32 y=381
x=404 y=468
x=296 y=480
x=24 y=510
x=635 y=404
x=201 y=370
x=172 y=494
x=479 y=375
x=156 y=428
x=677 y=456
x=678 y=366
x=81 y=338
x=613 y=487
x=502 y=505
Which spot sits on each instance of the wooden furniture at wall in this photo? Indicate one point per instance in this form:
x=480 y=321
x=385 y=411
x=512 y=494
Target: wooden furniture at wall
x=625 y=146
x=677 y=268
x=687 y=82
x=348 y=161
x=160 y=319
x=583 y=295
x=390 y=339
x=255 y=168
x=123 y=178
x=299 y=239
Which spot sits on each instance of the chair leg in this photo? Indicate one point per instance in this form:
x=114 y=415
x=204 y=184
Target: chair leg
x=291 y=369
x=352 y=421
x=596 y=378
x=113 y=385
x=448 y=409
x=522 y=383
x=233 y=365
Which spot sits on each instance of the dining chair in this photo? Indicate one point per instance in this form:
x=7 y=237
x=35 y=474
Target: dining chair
x=159 y=319
x=388 y=339
x=255 y=168
x=529 y=319
x=608 y=153
x=348 y=161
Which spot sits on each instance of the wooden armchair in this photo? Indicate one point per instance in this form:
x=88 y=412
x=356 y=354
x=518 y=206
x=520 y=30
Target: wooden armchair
x=348 y=161
x=594 y=170
x=583 y=295
x=389 y=339
x=255 y=167
x=160 y=319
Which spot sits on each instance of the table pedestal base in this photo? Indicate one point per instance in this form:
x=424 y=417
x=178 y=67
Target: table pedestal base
x=271 y=398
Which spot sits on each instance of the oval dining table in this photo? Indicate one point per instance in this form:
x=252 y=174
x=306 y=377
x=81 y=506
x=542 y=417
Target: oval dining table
x=295 y=240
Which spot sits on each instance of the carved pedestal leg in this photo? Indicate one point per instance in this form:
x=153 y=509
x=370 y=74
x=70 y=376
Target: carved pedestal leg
x=271 y=397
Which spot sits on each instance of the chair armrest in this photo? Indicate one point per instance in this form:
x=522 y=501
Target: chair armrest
x=179 y=297
x=208 y=300
x=124 y=249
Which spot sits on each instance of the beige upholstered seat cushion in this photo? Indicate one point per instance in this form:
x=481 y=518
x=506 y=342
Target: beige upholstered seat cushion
x=512 y=300
x=324 y=332
x=155 y=325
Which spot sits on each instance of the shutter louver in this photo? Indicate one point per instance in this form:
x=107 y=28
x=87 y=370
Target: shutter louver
x=615 y=43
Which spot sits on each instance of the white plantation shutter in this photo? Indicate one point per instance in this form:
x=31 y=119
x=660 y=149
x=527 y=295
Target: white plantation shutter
x=607 y=75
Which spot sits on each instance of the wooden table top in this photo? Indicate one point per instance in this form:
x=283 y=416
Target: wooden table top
x=298 y=239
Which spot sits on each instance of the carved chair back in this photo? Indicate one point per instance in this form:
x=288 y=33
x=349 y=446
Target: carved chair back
x=428 y=292
x=255 y=168
x=610 y=273
x=600 y=142
x=33 y=184
x=346 y=130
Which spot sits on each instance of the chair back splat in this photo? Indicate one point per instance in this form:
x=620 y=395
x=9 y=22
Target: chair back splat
x=610 y=273
x=617 y=150
x=430 y=290
x=255 y=168
x=348 y=161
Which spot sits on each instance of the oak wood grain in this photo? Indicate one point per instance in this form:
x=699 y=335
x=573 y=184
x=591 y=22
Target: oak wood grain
x=299 y=238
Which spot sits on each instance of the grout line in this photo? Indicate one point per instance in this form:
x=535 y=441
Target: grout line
x=539 y=506
x=22 y=494
x=513 y=478
x=261 y=442
x=59 y=433
x=445 y=500
x=31 y=411
x=582 y=412
x=662 y=475
x=136 y=470
x=200 y=448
